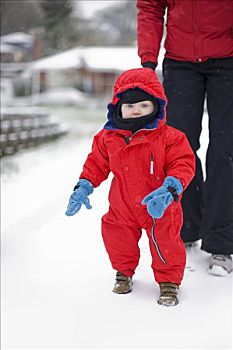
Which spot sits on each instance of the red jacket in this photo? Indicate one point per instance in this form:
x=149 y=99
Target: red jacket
x=196 y=29
x=129 y=159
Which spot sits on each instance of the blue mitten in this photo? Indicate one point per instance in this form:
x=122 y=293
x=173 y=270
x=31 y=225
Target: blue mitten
x=158 y=200
x=79 y=197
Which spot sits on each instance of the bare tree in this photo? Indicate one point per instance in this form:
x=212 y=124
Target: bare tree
x=119 y=22
x=19 y=16
x=60 y=33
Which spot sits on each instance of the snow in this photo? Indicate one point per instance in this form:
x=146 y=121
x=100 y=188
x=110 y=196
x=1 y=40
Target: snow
x=57 y=279
x=21 y=111
x=17 y=37
x=89 y=8
x=6 y=48
x=64 y=60
x=94 y=58
x=59 y=96
x=118 y=58
x=218 y=271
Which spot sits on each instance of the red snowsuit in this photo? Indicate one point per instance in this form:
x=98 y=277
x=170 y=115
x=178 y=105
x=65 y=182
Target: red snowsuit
x=140 y=163
x=196 y=29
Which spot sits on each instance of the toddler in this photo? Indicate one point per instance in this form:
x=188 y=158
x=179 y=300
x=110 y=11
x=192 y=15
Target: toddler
x=152 y=164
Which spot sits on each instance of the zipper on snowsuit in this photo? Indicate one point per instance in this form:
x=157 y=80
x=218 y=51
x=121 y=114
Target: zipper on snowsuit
x=127 y=140
x=156 y=244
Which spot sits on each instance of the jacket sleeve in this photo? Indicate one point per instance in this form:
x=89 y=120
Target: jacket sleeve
x=96 y=167
x=180 y=159
x=150 y=21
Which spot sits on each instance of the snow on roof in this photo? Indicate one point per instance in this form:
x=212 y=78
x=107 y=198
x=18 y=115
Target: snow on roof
x=18 y=37
x=115 y=58
x=6 y=48
x=65 y=60
x=93 y=58
x=111 y=58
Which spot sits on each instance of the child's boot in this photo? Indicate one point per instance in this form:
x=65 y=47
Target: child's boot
x=123 y=284
x=168 y=294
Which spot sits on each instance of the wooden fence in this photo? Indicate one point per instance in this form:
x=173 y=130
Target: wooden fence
x=27 y=129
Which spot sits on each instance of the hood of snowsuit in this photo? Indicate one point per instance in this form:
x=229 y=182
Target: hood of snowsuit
x=145 y=79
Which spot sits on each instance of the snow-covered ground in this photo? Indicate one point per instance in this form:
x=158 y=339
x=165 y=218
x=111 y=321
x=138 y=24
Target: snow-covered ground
x=57 y=279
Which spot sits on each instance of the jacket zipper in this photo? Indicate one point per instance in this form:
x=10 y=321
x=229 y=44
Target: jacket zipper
x=156 y=244
x=127 y=141
x=129 y=138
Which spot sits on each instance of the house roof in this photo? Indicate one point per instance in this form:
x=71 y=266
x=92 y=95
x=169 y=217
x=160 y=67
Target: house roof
x=94 y=58
x=64 y=60
x=6 y=48
x=111 y=58
x=17 y=37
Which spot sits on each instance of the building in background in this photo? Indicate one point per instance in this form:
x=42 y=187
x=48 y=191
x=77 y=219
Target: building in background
x=92 y=70
x=20 y=47
x=17 y=51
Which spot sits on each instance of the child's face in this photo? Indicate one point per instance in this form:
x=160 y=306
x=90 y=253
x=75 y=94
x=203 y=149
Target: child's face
x=136 y=110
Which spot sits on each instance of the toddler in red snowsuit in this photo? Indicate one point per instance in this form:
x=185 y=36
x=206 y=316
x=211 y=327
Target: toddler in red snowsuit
x=152 y=164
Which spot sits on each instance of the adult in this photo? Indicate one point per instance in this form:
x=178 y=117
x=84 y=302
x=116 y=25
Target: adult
x=198 y=66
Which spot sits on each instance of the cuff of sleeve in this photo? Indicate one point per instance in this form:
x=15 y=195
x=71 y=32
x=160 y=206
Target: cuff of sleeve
x=86 y=185
x=174 y=182
x=151 y=65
